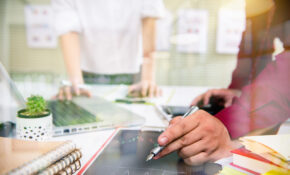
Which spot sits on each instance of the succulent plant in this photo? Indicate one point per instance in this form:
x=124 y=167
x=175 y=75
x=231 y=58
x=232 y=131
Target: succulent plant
x=35 y=106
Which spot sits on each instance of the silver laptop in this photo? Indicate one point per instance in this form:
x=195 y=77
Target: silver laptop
x=69 y=117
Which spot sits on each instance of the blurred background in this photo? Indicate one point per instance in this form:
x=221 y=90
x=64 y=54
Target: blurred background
x=189 y=49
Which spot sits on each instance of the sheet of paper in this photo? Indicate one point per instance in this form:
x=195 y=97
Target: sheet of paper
x=39 y=30
x=231 y=24
x=192 y=31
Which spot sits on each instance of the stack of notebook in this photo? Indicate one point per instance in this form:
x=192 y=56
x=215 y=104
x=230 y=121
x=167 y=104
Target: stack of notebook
x=31 y=157
x=262 y=154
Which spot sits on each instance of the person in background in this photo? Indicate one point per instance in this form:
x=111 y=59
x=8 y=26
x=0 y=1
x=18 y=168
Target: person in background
x=106 y=42
x=257 y=98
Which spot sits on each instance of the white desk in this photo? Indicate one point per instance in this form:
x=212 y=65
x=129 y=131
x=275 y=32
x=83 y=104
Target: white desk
x=92 y=141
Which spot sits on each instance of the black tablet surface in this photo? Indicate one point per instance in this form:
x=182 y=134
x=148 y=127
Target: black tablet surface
x=126 y=153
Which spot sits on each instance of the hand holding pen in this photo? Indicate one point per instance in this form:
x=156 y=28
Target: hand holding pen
x=198 y=138
x=159 y=148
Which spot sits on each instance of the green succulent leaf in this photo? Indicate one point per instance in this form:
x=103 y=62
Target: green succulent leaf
x=35 y=105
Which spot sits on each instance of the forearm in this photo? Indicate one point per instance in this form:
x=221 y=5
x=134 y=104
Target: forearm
x=71 y=52
x=148 y=69
x=148 y=34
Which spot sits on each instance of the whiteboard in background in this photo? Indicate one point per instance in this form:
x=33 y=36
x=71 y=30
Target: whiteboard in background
x=39 y=28
x=231 y=24
x=192 y=31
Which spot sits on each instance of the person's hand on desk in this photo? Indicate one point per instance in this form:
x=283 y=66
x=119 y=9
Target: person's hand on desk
x=227 y=95
x=68 y=90
x=145 y=89
x=198 y=138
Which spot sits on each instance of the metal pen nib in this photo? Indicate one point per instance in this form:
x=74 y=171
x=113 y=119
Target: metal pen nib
x=149 y=157
x=154 y=152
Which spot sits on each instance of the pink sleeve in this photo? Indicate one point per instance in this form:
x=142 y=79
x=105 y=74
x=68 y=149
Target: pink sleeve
x=264 y=103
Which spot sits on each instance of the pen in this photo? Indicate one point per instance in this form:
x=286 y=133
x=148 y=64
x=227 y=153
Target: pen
x=130 y=101
x=159 y=148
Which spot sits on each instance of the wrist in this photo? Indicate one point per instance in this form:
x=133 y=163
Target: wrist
x=78 y=85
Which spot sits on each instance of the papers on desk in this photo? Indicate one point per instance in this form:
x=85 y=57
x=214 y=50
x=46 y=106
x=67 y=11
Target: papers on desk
x=173 y=95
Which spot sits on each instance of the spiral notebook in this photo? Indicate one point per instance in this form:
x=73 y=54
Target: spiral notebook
x=31 y=157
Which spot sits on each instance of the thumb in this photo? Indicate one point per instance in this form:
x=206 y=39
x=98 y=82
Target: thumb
x=132 y=88
x=228 y=102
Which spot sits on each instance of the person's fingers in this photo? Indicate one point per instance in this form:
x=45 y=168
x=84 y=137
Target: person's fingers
x=132 y=88
x=197 y=159
x=60 y=94
x=196 y=100
x=228 y=102
x=192 y=149
x=144 y=89
x=207 y=96
x=85 y=92
x=183 y=127
x=151 y=89
x=184 y=141
x=160 y=92
x=54 y=97
x=175 y=120
x=67 y=92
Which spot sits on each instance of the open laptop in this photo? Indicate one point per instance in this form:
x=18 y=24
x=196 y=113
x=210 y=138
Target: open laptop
x=78 y=115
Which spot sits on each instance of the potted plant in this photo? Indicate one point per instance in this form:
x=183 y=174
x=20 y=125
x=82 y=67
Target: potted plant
x=35 y=121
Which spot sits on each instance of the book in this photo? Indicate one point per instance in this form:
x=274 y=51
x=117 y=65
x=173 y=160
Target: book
x=253 y=162
x=228 y=170
x=70 y=162
x=274 y=148
x=29 y=157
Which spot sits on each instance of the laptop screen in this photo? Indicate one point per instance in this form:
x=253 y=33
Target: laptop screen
x=11 y=99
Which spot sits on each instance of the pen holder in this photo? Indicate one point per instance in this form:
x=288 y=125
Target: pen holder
x=38 y=128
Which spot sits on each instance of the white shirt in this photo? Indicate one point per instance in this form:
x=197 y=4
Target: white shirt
x=110 y=31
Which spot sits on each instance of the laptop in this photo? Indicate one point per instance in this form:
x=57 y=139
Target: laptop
x=76 y=116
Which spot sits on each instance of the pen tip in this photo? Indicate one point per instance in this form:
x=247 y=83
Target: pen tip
x=149 y=157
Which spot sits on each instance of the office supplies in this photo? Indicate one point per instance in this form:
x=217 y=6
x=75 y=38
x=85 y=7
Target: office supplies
x=29 y=157
x=81 y=114
x=69 y=164
x=253 y=162
x=124 y=153
x=274 y=148
x=159 y=148
x=130 y=100
x=274 y=172
x=228 y=170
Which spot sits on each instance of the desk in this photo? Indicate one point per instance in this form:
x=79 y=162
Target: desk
x=92 y=141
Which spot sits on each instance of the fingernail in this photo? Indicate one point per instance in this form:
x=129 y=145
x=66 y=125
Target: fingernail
x=163 y=140
x=156 y=157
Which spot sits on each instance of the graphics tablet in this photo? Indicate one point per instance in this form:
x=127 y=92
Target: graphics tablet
x=126 y=153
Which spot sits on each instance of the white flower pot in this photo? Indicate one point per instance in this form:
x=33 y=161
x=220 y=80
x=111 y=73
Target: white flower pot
x=38 y=129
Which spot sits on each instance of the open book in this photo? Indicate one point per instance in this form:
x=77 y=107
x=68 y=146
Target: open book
x=30 y=157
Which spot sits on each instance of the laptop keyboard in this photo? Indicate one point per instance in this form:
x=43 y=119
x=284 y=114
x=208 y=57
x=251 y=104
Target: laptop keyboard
x=66 y=113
